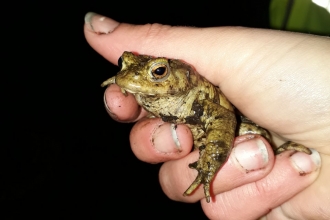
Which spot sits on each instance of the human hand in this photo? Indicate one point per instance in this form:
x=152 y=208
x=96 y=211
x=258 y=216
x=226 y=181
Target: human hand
x=256 y=69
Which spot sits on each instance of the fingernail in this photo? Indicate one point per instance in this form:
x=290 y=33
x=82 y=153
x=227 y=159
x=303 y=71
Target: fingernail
x=107 y=108
x=305 y=163
x=165 y=131
x=175 y=136
x=251 y=154
x=100 y=24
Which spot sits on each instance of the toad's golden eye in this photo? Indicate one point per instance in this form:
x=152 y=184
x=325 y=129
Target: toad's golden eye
x=159 y=71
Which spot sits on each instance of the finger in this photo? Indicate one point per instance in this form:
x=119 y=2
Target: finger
x=251 y=159
x=311 y=203
x=155 y=141
x=217 y=48
x=122 y=108
x=289 y=176
x=174 y=42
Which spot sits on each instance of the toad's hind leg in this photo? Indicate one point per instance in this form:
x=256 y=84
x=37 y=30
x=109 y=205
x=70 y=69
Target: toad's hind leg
x=220 y=126
x=249 y=127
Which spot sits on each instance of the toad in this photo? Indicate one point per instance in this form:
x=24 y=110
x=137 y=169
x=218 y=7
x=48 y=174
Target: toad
x=172 y=90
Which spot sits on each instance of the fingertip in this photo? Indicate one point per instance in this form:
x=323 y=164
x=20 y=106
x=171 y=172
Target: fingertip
x=99 y=24
x=120 y=107
x=251 y=153
x=101 y=35
x=111 y=38
x=153 y=140
x=305 y=163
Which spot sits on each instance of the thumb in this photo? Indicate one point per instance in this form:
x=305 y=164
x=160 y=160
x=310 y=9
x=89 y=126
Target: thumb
x=203 y=47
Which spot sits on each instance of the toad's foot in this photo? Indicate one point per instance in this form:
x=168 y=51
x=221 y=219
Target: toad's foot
x=292 y=146
x=212 y=157
x=109 y=81
x=202 y=177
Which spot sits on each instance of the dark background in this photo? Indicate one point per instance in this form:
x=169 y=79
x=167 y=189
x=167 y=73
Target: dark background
x=61 y=152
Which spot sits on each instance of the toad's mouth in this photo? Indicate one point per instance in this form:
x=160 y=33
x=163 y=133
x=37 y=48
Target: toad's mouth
x=124 y=88
x=125 y=91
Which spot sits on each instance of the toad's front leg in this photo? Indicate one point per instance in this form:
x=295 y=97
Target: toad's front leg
x=220 y=126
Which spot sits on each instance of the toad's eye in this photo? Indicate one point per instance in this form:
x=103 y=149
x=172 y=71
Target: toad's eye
x=120 y=63
x=159 y=71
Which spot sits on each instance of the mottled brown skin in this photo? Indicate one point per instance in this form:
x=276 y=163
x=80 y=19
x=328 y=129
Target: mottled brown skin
x=172 y=90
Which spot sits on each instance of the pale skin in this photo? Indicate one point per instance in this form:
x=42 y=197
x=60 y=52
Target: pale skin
x=280 y=80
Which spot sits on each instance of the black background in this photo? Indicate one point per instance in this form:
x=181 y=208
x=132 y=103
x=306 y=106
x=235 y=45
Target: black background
x=61 y=152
